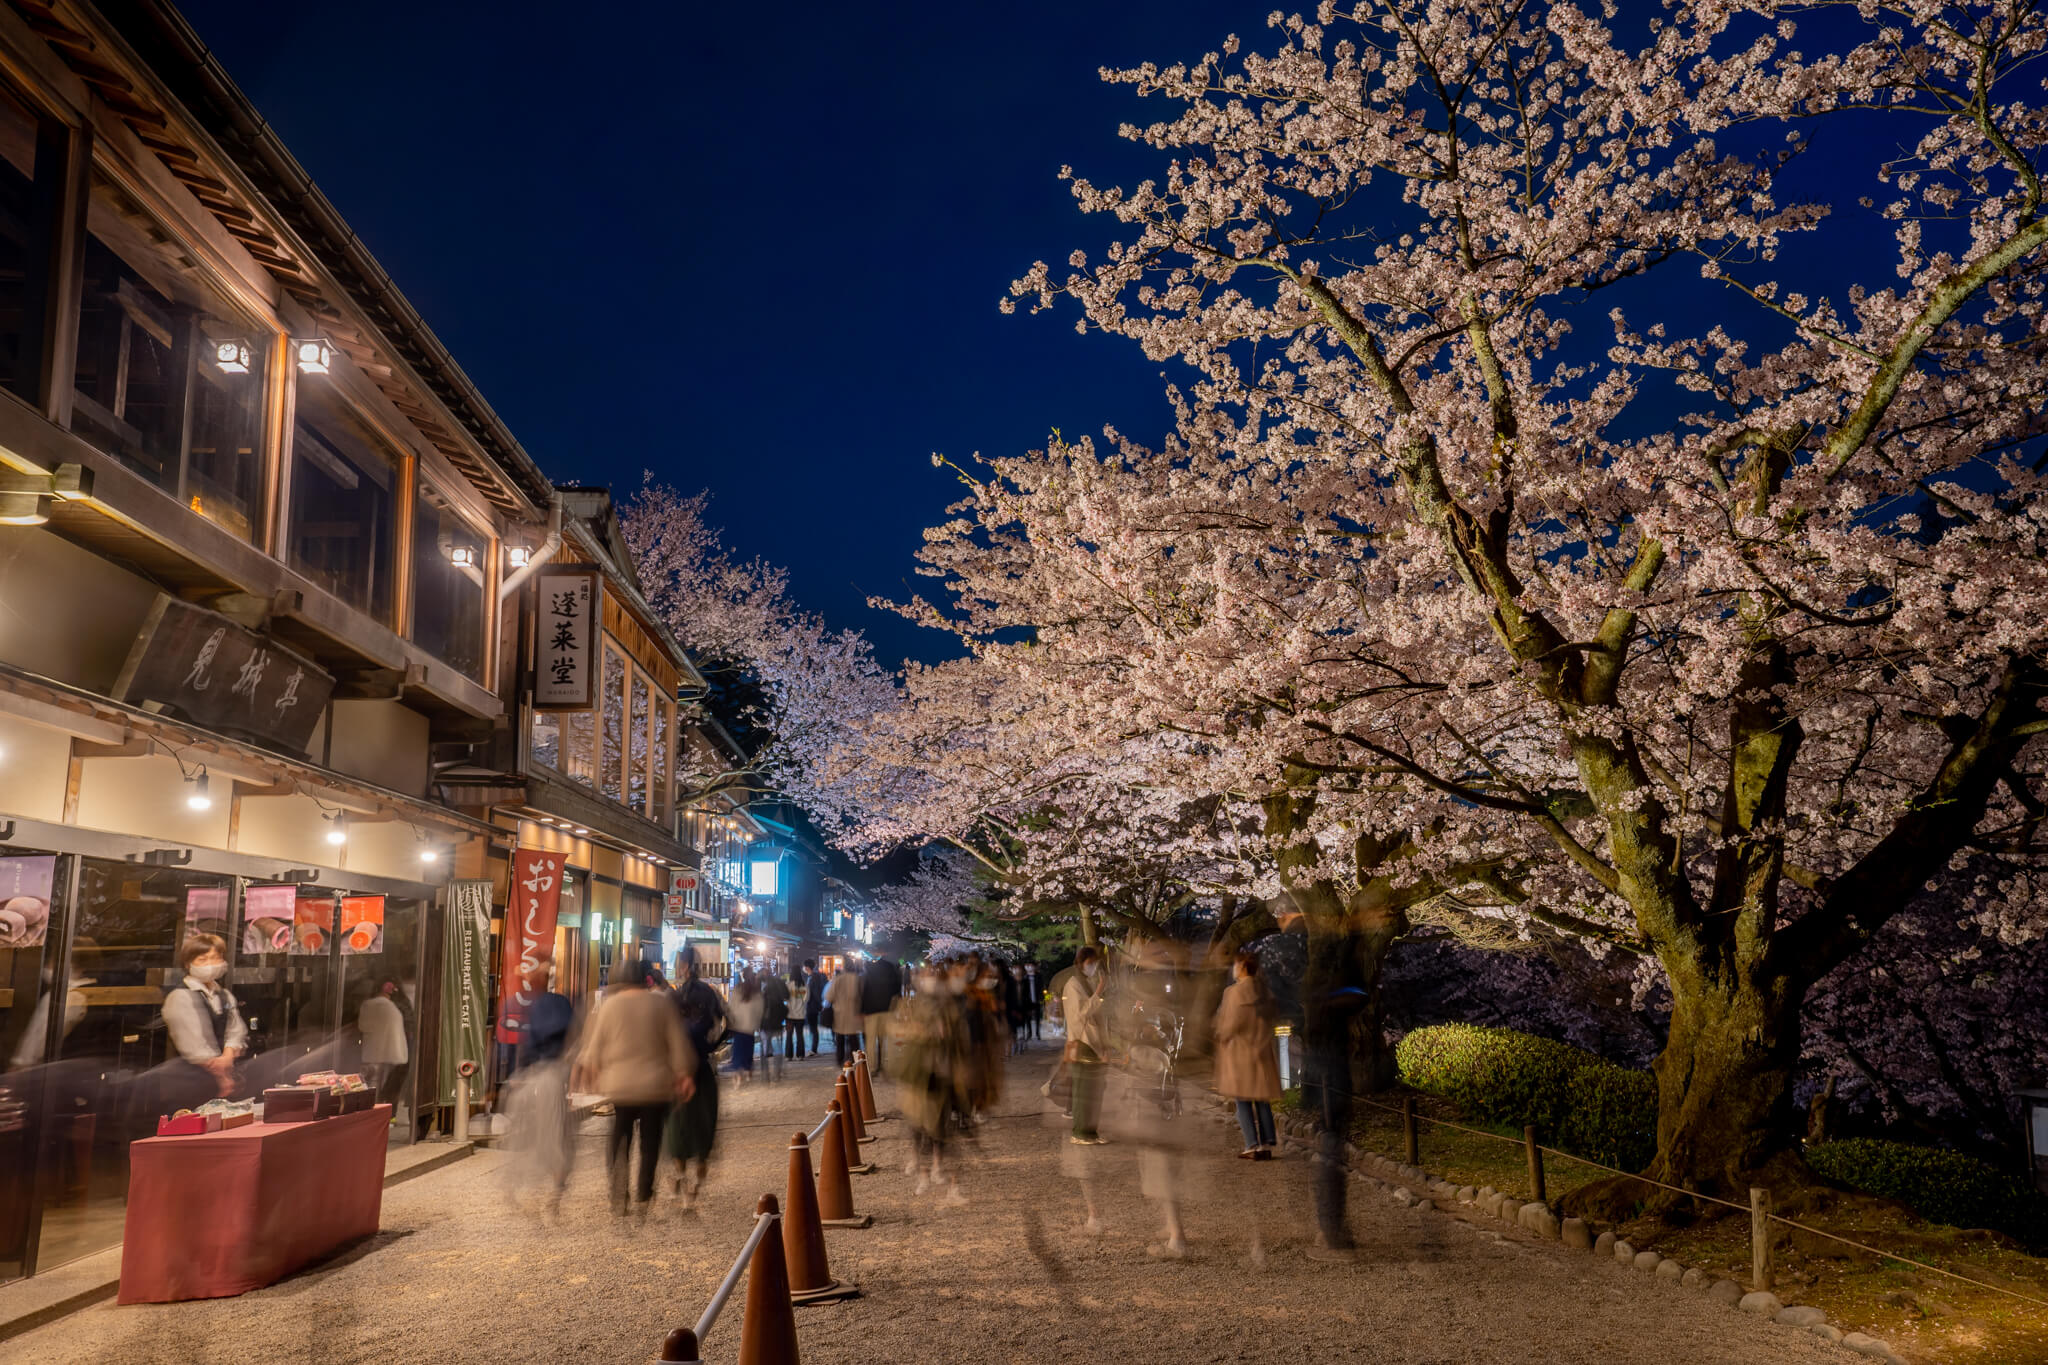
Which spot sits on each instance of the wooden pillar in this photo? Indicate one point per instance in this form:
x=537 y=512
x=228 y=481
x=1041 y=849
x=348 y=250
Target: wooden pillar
x=56 y=276
x=1760 y=1237
x=1535 y=1155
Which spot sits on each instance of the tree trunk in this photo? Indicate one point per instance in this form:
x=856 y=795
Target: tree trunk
x=1379 y=926
x=1090 y=938
x=1725 y=1116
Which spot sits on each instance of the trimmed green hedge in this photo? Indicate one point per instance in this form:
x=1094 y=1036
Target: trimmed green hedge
x=1579 y=1102
x=1941 y=1186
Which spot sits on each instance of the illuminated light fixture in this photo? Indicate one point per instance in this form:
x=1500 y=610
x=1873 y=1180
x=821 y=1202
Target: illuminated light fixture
x=518 y=555
x=197 y=797
x=430 y=855
x=315 y=355
x=462 y=556
x=24 y=509
x=232 y=356
x=337 y=829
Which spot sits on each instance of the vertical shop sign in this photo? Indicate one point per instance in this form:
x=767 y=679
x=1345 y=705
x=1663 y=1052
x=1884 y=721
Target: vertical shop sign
x=565 y=638
x=463 y=1033
x=25 y=900
x=530 y=912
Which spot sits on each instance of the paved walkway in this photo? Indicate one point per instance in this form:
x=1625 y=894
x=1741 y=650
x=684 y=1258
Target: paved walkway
x=458 y=1275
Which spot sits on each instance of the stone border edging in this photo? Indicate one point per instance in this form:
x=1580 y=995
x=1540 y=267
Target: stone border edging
x=1403 y=1181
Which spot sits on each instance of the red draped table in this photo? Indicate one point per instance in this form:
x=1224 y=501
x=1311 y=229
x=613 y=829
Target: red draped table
x=217 y=1214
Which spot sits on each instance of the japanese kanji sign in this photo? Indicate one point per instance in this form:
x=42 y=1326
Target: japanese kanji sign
x=200 y=665
x=530 y=907
x=565 y=658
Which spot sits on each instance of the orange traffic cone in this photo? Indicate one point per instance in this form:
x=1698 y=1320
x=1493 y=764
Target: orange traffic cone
x=768 y=1336
x=864 y=1089
x=842 y=1089
x=803 y=1235
x=679 y=1347
x=835 y=1191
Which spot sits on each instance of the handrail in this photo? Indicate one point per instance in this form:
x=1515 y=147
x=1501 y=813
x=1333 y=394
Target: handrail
x=762 y=1222
x=1724 y=1203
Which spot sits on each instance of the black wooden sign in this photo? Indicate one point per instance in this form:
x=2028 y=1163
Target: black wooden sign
x=200 y=666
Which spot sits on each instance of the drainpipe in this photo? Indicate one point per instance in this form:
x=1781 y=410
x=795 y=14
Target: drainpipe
x=546 y=551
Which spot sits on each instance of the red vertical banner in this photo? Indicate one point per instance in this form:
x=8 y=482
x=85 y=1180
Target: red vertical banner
x=530 y=910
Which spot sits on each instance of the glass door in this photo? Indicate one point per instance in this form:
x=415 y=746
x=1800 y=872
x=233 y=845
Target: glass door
x=33 y=909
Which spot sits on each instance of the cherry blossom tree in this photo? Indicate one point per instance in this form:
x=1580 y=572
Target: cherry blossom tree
x=1712 y=619
x=791 y=686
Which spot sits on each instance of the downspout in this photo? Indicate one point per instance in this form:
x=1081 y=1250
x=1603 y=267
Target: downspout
x=546 y=551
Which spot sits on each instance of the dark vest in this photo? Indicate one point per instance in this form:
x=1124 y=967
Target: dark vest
x=213 y=1010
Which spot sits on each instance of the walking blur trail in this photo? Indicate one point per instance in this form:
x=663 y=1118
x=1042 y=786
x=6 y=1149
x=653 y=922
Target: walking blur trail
x=460 y=1275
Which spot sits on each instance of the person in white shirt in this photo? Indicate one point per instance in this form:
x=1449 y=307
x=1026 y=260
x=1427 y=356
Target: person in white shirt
x=203 y=1018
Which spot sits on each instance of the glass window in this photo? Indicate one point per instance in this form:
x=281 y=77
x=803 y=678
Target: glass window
x=664 y=720
x=546 y=740
x=18 y=248
x=343 y=508
x=447 y=583
x=612 y=780
x=168 y=380
x=638 y=750
x=581 y=758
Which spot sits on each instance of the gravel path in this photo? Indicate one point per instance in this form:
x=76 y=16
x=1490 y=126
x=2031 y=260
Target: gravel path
x=460 y=1275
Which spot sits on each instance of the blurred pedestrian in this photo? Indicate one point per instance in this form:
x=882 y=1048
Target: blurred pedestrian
x=880 y=986
x=638 y=1058
x=1087 y=1042
x=843 y=999
x=1033 y=984
x=542 y=1141
x=930 y=1043
x=799 y=1007
x=744 y=1012
x=1247 y=1067
x=693 y=1124
x=386 y=1052
x=774 y=1019
x=815 y=986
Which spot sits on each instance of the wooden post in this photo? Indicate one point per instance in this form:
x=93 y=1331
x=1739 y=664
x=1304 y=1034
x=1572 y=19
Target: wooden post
x=1760 y=1237
x=1535 y=1155
x=1409 y=1130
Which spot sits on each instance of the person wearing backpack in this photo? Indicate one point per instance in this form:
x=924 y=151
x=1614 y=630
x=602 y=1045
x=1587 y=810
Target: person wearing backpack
x=693 y=1124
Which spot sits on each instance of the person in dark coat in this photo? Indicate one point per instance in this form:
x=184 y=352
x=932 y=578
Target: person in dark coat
x=881 y=985
x=693 y=1124
x=816 y=983
x=774 y=1017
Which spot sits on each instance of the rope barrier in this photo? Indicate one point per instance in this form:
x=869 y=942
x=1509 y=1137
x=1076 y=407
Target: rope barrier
x=762 y=1223
x=1724 y=1203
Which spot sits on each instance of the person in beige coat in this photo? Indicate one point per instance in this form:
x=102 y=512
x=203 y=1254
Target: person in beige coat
x=843 y=998
x=638 y=1057
x=1247 y=1068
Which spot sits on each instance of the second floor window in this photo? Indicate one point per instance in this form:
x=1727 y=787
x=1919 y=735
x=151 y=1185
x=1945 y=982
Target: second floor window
x=448 y=558
x=153 y=386
x=343 y=502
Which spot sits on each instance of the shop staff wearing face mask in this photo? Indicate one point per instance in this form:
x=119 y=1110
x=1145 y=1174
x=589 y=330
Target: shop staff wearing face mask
x=204 y=1020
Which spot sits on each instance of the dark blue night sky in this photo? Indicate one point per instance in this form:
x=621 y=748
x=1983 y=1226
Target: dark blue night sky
x=754 y=249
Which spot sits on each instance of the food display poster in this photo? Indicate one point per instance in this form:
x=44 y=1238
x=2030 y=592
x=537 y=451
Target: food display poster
x=267 y=914
x=25 y=900
x=203 y=904
x=362 y=925
x=312 y=923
